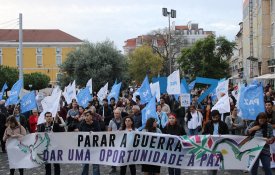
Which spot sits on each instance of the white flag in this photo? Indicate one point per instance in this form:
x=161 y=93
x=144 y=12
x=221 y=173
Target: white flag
x=155 y=90
x=173 y=83
x=222 y=88
x=102 y=93
x=90 y=85
x=70 y=92
x=49 y=104
x=223 y=105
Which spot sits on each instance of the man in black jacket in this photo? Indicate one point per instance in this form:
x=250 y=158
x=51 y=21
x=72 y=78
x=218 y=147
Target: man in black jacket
x=89 y=125
x=215 y=127
x=50 y=126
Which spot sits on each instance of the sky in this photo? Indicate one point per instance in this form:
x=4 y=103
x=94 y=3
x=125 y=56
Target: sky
x=119 y=20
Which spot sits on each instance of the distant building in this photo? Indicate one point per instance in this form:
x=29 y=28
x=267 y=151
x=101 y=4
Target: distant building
x=187 y=34
x=258 y=32
x=43 y=50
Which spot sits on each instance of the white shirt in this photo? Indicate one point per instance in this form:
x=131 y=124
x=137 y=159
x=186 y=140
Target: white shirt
x=195 y=121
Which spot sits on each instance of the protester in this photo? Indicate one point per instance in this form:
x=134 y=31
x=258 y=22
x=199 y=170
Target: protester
x=137 y=116
x=72 y=116
x=128 y=125
x=270 y=113
x=106 y=112
x=151 y=126
x=14 y=130
x=114 y=125
x=50 y=125
x=215 y=127
x=3 y=118
x=261 y=128
x=235 y=124
x=162 y=118
x=33 y=121
x=89 y=125
x=173 y=128
x=20 y=118
x=193 y=120
x=164 y=107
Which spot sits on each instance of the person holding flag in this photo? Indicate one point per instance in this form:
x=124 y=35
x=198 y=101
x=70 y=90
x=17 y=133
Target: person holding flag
x=151 y=126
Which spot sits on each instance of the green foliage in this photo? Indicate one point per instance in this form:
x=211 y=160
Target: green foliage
x=100 y=61
x=37 y=80
x=9 y=75
x=143 y=61
x=207 y=58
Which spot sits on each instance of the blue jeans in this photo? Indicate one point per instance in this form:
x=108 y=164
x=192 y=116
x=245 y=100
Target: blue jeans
x=174 y=171
x=192 y=132
x=265 y=159
x=85 y=169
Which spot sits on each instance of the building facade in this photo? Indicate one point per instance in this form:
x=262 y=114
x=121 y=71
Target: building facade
x=187 y=35
x=257 y=38
x=43 y=50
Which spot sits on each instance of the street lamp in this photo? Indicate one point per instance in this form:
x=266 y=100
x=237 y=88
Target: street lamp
x=171 y=14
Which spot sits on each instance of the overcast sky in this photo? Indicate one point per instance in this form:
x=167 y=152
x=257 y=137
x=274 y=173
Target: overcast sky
x=119 y=20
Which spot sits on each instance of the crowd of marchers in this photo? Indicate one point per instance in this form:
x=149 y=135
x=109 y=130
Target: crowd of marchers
x=125 y=114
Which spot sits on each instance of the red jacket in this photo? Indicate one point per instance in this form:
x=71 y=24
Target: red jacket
x=33 y=123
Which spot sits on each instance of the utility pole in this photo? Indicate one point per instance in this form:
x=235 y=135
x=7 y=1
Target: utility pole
x=20 y=49
x=171 y=14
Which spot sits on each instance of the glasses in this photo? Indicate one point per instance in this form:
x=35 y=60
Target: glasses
x=48 y=116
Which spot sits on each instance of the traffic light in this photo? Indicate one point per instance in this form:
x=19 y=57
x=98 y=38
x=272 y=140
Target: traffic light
x=173 y=13
x=164 y=11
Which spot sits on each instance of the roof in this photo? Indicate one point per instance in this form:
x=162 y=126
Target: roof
x=130 y=43
x=181 y=28
x=34 y=35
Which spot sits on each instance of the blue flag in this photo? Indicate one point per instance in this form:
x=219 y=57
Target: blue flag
x=14 y=93
x=144 y=91
x=251 y=101
x=183 y=89
x=5 y=86
x=28 y=102
x=83 y=97
x=114 y=92
x=149 y=111
x=192 y=85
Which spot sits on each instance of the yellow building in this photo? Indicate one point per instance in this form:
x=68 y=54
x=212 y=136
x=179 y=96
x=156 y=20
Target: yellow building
x=43 y=50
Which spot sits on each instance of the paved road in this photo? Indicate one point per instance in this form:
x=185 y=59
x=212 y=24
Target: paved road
x=75 y=169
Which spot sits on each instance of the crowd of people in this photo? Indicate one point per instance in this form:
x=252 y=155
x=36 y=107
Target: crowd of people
x=125 y=115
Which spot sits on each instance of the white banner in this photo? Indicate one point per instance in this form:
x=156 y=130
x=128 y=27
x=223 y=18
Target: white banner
x=90 y=85
x=173 y=83
x=119 y=148
x=185 y=100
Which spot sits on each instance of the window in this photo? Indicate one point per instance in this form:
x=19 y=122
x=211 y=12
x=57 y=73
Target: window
x=1 y=63
x=17 y=51
x=193 y=40
x=58 y=60
x=0 y=51
x=39 y=60
x=58 y=51
x=39 y=51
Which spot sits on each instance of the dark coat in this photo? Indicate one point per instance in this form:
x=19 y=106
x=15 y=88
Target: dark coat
x=209 y=128
x=174 y=130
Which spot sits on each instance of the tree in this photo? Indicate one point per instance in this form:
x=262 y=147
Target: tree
x=143 y=61
x=161 y=47
x=206 y=58
x=100 y=61
x=9 y=75
x=37 y=81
